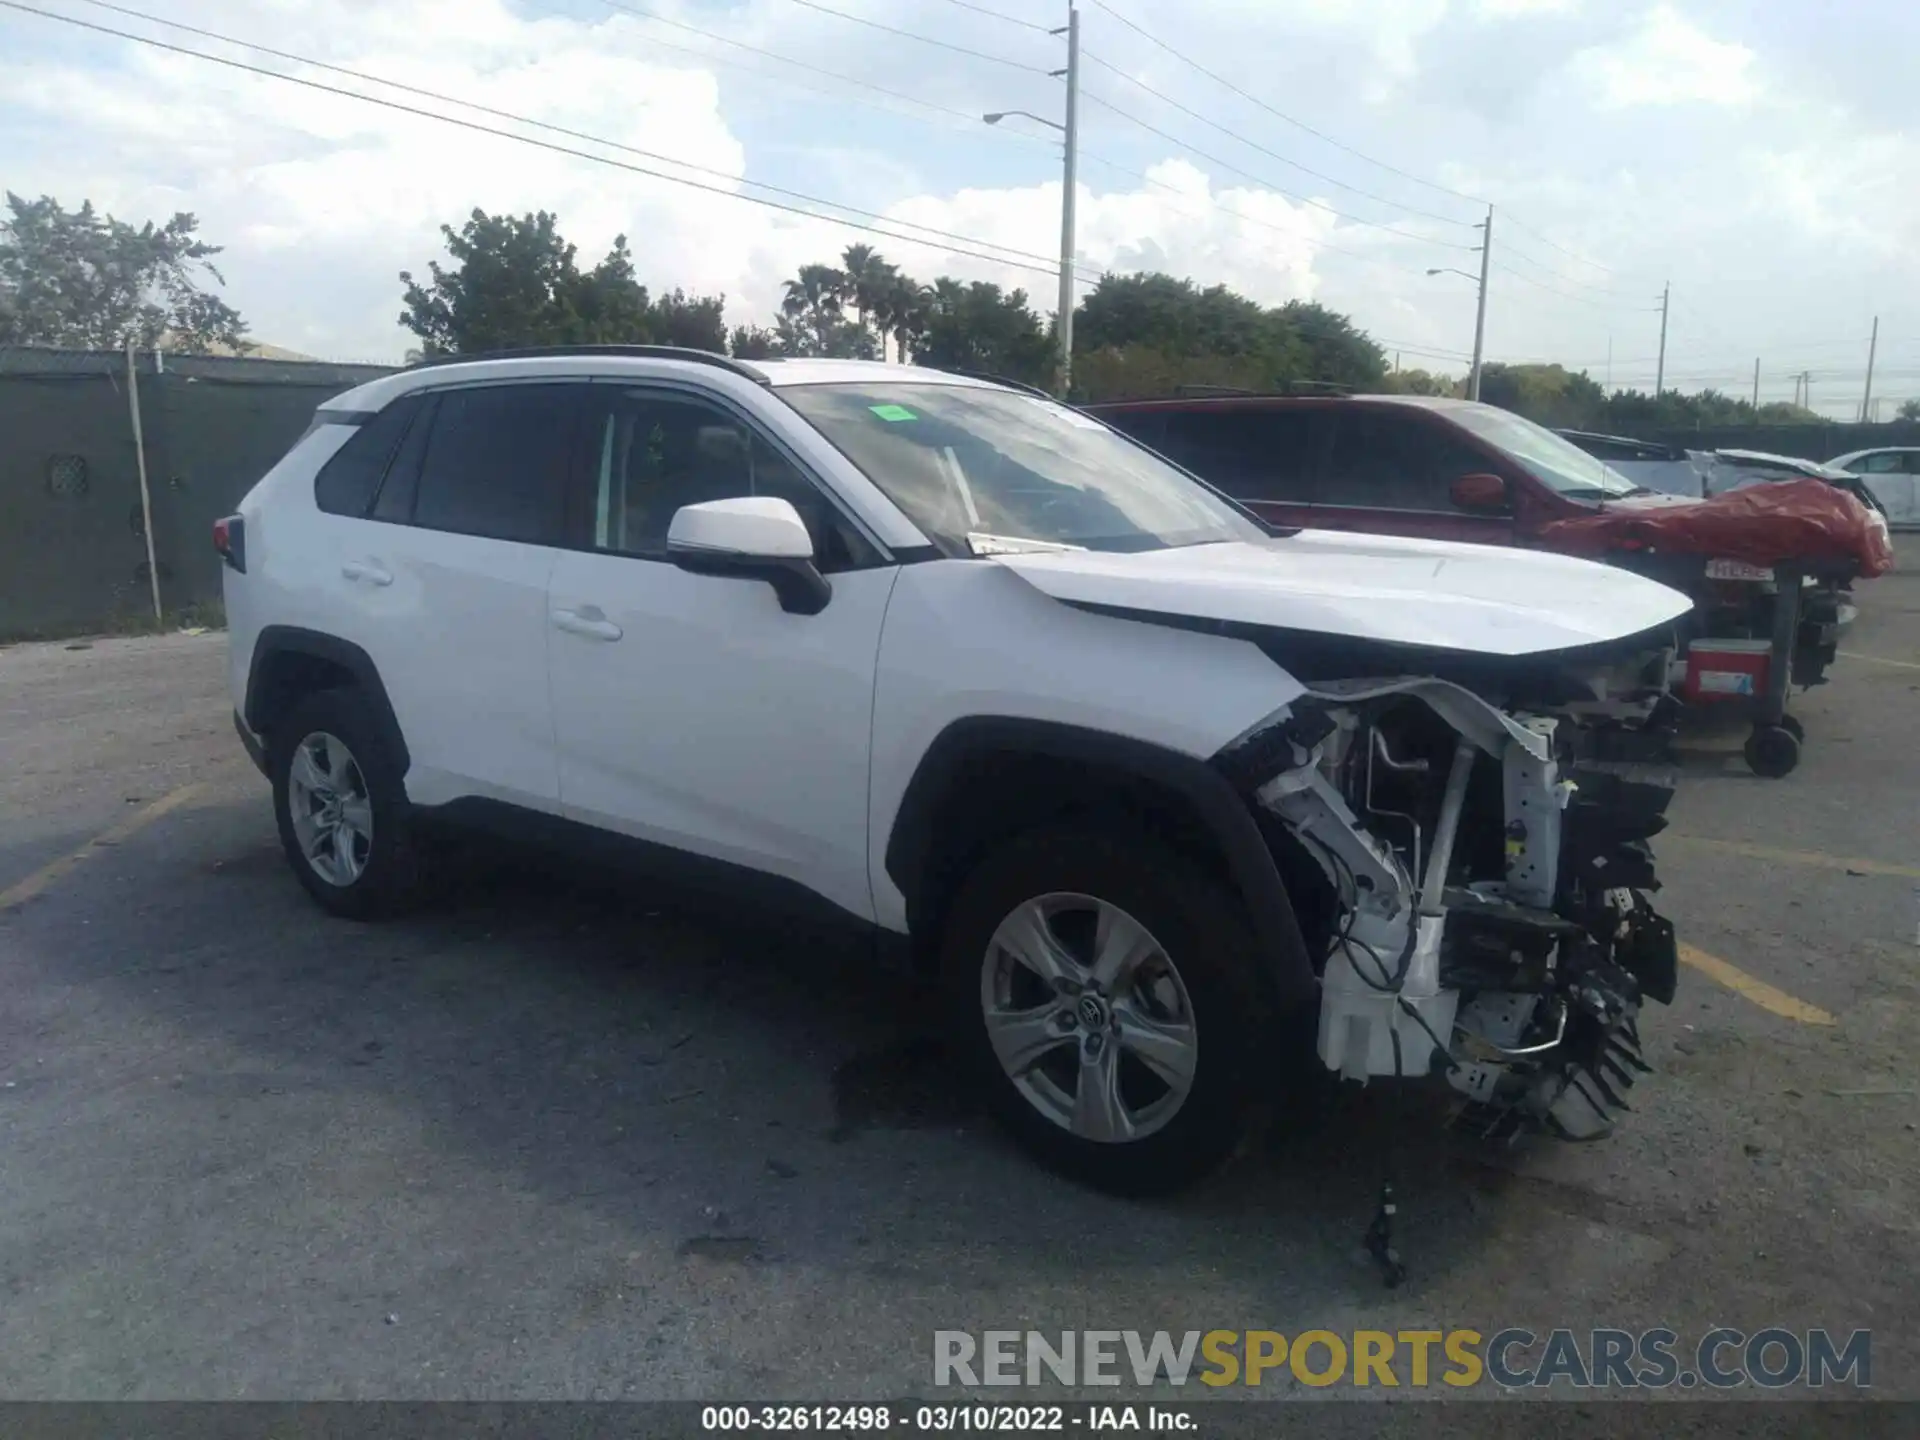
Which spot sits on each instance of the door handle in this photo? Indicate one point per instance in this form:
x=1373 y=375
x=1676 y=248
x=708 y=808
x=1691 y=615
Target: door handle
x=587 y=621
x=367 y=572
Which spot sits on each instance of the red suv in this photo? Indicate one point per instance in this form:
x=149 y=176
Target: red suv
x=1389 y=464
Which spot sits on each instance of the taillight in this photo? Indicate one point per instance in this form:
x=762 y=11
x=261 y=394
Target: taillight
x=230 y=540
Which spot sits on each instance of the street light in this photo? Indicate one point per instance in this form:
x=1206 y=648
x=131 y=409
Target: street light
x=1480 y=311
x=1069 y=133
x=997 y=116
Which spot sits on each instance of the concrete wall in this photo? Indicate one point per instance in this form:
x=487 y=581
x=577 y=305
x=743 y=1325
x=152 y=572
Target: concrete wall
x=72 y=548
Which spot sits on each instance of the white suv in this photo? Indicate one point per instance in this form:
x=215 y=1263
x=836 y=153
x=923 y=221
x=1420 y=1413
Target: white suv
x=942 y=659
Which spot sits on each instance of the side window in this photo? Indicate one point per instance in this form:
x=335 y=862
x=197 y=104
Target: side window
x=1146 y=426
x=495 y=462
x=1886 y=463
x=347 y=482
x=654 y=453
x=1250 y=454
x=1395 y=462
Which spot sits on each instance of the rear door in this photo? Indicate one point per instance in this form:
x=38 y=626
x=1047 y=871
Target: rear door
x=1268 y=457
x=1892 y=476
x=449 y=582
x=1390 y=471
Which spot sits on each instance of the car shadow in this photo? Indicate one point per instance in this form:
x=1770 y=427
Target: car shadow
x=746 y=1094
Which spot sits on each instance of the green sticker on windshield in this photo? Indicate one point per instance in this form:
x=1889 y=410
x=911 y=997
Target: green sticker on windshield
x=893 y=412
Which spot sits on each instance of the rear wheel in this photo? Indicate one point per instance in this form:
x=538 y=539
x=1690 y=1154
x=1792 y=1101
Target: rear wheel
x=1103 y=990
x=341 y=806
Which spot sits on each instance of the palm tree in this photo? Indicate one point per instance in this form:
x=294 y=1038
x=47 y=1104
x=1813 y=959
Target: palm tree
x=903 y=314
x=811 y=305
x=870 y=278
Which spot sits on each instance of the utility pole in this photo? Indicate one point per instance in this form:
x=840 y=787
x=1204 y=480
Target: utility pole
x=1072 y=73
x=1756 y=385
x=1866 y=399
x=1660 y=373
x=1480 y=312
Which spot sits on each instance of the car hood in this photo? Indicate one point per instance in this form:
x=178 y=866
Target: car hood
x=1478 y=599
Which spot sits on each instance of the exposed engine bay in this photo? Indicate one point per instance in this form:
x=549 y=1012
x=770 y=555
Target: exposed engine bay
x=1472 y=883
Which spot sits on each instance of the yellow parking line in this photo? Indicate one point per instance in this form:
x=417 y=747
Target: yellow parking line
x=43 y=877
x=1877 y=660
x=1794 y=857
x=1767 y=997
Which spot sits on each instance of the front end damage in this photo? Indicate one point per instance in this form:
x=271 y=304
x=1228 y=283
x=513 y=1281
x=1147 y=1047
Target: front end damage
x=1472 y=885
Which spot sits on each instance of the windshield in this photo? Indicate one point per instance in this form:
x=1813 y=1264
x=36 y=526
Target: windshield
x=982 y=470
x=1554 y=462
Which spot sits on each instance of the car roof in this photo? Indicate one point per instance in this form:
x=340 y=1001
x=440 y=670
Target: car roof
x=1258 y=402
x=638 y=362
x=1842 y=461
x=1780 y=462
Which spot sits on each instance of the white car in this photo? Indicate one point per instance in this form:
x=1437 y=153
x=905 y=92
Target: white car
x=1893 y=475
x=963 y=669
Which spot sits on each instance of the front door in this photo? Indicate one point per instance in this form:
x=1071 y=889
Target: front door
x=1391 y=471
x=692 y=711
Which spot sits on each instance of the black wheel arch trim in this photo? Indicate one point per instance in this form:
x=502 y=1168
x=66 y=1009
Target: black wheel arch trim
x=295 y=640
x=1212 y=798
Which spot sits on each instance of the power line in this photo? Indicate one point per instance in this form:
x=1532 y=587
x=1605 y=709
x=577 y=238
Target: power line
x=1566 y=294
x=995 y=14
x=544 y=125
x=1261 y=180
x=1045 y=268
x=1341 y=145
x=1281 y=115
x=923 y=39
x=1283 y=159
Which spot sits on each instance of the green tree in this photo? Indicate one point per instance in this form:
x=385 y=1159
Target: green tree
x=1151 y=333
x=84 y=280
x=515 y=282
x=982 y=328
x=902 y=315
x=1335 y=351
x=1909 y=410
x=1420 y=382
x=753 y=342
x=867 y=279
x=1552 y=395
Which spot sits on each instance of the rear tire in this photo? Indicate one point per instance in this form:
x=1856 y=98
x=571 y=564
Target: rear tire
x=341 y=806
x=1165 y=1030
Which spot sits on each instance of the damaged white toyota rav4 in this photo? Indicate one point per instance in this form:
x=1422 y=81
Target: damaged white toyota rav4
x=1140 y=780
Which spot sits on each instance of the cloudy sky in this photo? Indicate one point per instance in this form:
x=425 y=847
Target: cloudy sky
x=1762 y=155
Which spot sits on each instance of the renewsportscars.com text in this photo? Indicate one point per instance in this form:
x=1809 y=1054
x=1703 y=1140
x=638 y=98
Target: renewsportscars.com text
x=1770 y=1358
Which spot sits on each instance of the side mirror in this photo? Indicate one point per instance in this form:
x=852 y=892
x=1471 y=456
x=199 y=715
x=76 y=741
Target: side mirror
x=756 y=537
x=1479 y=492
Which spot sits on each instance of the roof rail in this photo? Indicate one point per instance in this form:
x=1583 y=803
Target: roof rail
x=645 y=352
x=1197 y=390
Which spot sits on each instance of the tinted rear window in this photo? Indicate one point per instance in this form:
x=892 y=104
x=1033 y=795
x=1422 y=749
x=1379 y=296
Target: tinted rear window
x=347 y=482
x=495 y=463
x=1252 y=454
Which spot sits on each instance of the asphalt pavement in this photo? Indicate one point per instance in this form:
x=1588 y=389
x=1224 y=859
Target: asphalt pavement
x=558 y=1138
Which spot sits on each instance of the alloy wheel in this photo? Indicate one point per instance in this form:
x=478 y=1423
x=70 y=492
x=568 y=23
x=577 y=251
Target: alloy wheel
x=332 y=813
x=1088 y=1017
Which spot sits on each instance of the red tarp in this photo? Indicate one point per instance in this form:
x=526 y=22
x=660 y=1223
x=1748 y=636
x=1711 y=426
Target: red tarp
x=1808 y=521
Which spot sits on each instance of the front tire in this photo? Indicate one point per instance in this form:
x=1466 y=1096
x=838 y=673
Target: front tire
x=1104 y=994
x=341 y=807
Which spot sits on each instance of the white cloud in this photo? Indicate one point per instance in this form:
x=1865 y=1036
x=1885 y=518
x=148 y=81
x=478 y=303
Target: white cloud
x=1508 y=9
x=1667 y=60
